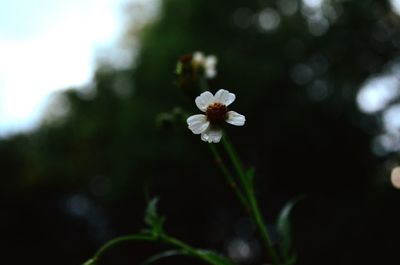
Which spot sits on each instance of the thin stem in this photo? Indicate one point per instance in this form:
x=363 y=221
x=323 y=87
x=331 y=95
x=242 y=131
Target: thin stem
x=228 y=176
x=190 y=250
x=203 y=83
x=161 y=238
x=254 y=207
x=263 y=229
x=118 y=240
x=234 y=157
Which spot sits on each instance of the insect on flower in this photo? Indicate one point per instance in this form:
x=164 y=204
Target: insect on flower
x=216 y=112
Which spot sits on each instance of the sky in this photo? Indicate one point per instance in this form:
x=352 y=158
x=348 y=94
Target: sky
x=46 y=46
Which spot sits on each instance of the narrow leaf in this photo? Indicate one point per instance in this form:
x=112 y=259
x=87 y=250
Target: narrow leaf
x=215 y=258
x=166 y=254
x=90 y=262
x=284 y=226
x=291 y=260
x=250 y=174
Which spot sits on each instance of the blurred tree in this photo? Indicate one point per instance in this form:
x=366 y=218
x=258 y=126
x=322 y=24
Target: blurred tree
x=296 y=68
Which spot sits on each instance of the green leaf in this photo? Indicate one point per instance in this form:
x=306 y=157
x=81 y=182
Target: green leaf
x=284 y=226
x=153 y=219
x=90 y=262
x=215 y=258
x=250 y=174
x=206 y=255
x=166 y=254
x=291 y=260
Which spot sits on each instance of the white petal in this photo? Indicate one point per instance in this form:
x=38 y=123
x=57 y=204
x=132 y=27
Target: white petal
x=224 y=97
x=211 y=136
x=204 y=100
x=198 y=57
x=210 y=61
x=198 y=123
x=210 y=66
x=204 y=137
x=235 y=118
x=211 y=72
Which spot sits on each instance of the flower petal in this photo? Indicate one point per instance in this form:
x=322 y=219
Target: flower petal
x=210 y=61
x=198 y=123
x=198 y=57
x=212 y=135
x=224 y=97
x=205 y=99
x=235 y=118
x=211 y=72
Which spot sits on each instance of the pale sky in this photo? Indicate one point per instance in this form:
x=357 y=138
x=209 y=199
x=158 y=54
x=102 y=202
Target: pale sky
x=48 y=45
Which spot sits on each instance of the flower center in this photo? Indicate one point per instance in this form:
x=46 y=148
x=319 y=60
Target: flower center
x=216 y=113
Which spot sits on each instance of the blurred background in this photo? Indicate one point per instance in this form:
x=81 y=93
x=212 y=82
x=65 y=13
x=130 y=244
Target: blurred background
x=82 y=147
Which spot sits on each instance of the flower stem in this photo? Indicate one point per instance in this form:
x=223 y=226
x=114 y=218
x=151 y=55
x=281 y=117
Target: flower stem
x=190 y=250
x=161 y=238
x=110 y=244
x=203 y=84
x=253 y=204
x=228 y=176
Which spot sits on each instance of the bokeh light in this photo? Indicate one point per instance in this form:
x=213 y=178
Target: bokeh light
x=395 y=177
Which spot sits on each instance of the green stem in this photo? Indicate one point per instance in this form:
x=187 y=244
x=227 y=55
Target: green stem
x=228 y=176
x=263 y=230
x=190 y=250
x=162 y=238
x=249 y=191
x=110 y=244
x=203 y=84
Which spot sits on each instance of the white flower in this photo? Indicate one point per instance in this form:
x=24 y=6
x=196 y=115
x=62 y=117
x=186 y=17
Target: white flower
x=206 y=63
x=216 y=112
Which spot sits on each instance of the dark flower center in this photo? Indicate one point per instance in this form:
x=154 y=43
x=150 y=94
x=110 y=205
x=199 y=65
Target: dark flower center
x=216 y=113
